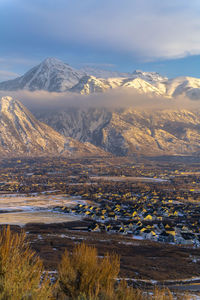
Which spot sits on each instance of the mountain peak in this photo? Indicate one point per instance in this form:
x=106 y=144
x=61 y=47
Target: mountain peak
x=51 y=75
x=53 y=62
x=150 y=76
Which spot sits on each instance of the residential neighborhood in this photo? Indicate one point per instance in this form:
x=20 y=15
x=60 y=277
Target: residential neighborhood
x=147 y=217
x=158 y=201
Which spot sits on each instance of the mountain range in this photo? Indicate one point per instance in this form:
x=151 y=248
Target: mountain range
x=98 y=131
x=129 y=131
x=54 y=75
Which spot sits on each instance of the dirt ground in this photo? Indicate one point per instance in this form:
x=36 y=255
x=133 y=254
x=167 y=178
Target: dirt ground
x=139 y=259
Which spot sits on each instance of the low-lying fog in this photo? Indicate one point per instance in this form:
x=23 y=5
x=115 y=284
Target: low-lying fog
x=111 y=99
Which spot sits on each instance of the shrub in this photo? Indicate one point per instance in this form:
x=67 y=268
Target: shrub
x=83 y=274
x=21 y=271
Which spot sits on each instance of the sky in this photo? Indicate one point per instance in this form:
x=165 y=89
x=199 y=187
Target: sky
x=123 y=35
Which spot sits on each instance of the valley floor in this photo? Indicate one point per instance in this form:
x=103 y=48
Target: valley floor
x=91 y=191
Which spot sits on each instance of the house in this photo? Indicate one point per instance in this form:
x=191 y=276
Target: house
x=94 y=227
x=148 y=217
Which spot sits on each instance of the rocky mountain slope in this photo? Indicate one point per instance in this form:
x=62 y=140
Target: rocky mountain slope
x=21 y=133
x=54 y=75
x=92 y=131
x=129 y=131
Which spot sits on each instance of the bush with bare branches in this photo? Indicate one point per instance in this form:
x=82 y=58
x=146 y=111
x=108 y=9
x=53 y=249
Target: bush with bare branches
x=83 y=274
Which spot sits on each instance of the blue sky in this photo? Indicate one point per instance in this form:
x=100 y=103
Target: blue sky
x=124 y=35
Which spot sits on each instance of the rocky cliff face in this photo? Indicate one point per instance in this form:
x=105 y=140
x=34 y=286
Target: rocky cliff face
x=129 y=131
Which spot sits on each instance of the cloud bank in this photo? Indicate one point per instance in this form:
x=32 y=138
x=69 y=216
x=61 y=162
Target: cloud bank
x=43 y=101
x=147 y=29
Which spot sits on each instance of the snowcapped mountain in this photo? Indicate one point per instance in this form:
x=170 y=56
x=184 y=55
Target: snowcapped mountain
x=51 y=75
x=187 y=86
x=100 y=73
x=54 y=75
x=21 y=133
